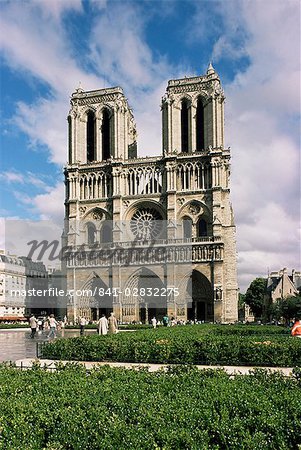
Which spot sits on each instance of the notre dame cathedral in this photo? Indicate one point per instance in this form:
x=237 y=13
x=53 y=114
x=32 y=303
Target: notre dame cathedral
x=150 y=236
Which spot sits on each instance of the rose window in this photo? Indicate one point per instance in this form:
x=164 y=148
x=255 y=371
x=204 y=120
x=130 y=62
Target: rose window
x=146 y=223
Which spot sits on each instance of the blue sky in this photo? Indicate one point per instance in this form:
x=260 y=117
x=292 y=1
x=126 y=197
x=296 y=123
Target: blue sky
x=48 y=46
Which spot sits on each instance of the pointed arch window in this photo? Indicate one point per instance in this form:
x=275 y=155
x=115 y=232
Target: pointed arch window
x=184 y=126
x=106 y=232
x=91 y=154
x=106 y=134
x=187 y=228
x=202 y=228
x=200 y=126
x=91 y=231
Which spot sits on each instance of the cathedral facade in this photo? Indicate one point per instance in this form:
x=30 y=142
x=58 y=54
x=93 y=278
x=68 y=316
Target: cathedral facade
x=154 y=235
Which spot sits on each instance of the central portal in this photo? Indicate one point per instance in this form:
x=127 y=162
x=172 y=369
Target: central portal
x=144 y=297
x=199 y=290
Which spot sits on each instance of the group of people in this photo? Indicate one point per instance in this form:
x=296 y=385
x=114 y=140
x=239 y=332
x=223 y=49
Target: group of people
x=107 y=326
x=50 y=324
x=110 y=325
x=166 y=322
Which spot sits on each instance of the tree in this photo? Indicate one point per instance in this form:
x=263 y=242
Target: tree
x=288 y=308
x=255 y=296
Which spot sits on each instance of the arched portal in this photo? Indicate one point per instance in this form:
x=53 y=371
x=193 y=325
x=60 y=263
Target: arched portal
x=200 y=294
x=95 y=299
x=144 y=297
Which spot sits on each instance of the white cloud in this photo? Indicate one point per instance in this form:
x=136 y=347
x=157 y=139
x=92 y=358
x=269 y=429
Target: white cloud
x=45 y=124
x=11 y=176
x=125 y=58
x=48 y=203
x=51 y=204
x=54 y=9
x=26 y=177
x=262 y=126
x=36 y=45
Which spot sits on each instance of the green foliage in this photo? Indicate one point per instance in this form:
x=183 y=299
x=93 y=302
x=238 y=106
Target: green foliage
x=5 y=326
x=241 y=300
x=195 y=344
x=255 y=295
x=288 y=308
x=123 y=409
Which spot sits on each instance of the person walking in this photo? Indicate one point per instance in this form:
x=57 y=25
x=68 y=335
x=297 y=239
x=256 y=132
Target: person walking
x=154 y=322
x=33 y=325
x=82 y=324
x=113 y=326
x=103 y=325
x=296 y=330
x=165 y=320
x=40 y=325
x=52 y=325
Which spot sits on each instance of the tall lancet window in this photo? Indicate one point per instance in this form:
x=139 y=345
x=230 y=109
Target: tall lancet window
x=70 y=139
x=200 y=128
x=106 y=135
x=91 y=154
x=184 y=126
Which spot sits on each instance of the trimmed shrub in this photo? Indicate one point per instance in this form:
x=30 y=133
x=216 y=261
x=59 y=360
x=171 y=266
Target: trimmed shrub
x=124 y=409
x=183 y=345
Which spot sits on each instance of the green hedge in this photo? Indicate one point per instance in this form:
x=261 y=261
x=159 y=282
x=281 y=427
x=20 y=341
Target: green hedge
x=123 y=409
x=182 y=345
x=6 y=326
x=94 y=326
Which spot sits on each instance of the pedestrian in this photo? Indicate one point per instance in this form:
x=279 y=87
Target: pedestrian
x=40 y=324
x=46 y=324
x=33 y=325
x=154 y=322
x=165 y=320
x=113 y=327
x=82 y=323
x=103 y=325
x=62 y=327
x=296 y=330
x=52 y=325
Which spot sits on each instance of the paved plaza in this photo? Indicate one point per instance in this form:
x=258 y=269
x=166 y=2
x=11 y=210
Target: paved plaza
x=16 y=343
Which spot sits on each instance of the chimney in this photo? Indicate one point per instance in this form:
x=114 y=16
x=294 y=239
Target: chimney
x=293 y=275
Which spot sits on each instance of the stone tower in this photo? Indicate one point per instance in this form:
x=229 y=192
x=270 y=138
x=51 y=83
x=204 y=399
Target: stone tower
x=156 y=235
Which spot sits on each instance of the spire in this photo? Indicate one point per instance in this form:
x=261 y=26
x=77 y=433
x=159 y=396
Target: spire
x=210 y=70
x=79 y=90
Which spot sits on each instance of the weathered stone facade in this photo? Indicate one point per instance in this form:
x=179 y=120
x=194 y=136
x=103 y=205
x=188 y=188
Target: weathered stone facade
x=159 y=223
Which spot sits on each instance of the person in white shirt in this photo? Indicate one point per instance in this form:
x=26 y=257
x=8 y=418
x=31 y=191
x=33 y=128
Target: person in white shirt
x=82 y=323
x=154 y=322
x=33 y=325
x=52 y=325
x=103 y=325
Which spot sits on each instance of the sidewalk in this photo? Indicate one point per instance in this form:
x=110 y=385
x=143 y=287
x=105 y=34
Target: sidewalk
x=231 y=370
